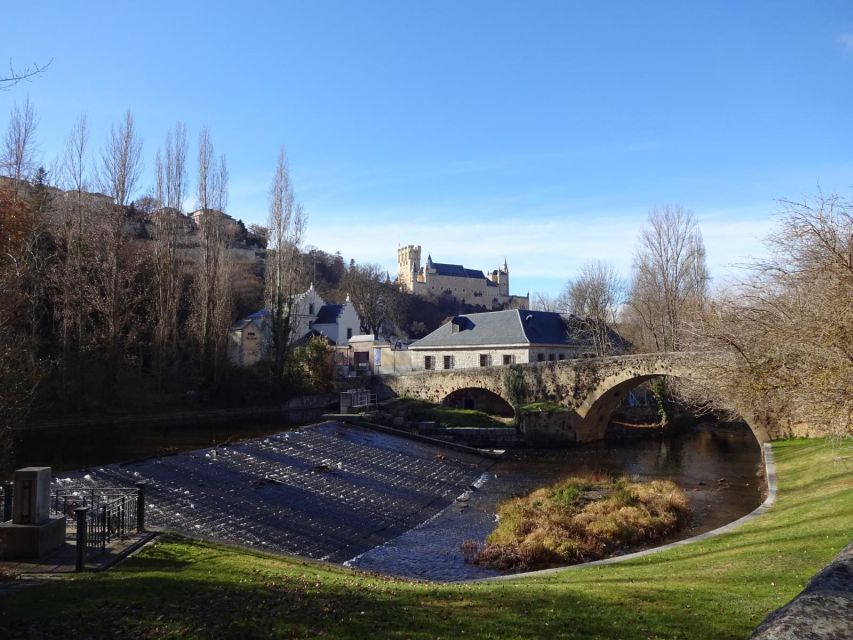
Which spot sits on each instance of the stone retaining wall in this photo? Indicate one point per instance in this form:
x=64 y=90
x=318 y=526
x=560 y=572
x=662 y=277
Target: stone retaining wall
x=822 y=611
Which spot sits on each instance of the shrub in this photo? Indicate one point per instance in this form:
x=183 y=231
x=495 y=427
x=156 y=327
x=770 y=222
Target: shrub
x=581 y=519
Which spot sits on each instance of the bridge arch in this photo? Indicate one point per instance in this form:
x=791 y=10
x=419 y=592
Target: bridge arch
x=604 y=398
x=479 y=399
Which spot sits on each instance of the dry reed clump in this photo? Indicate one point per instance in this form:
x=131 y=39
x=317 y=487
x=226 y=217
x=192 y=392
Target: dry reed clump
x=581 y=519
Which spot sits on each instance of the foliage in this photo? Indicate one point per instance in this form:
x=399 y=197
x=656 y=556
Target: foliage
x=659 y=389
x=582 y=519
x=718 y=588
x=312 y=366
x=513 y=384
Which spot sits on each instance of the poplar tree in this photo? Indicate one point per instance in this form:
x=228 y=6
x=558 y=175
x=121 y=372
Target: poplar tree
x=284 y=264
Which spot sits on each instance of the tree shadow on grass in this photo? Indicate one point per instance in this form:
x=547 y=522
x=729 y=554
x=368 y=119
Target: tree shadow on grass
x=306 y=605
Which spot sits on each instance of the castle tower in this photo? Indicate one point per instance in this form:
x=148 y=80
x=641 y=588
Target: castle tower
x=503 y=279
x=408 y=265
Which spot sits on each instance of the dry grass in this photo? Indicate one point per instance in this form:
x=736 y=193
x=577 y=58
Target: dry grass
x=581 y=519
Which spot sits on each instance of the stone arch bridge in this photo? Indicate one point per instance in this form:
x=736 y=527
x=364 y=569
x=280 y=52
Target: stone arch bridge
x=589 y=389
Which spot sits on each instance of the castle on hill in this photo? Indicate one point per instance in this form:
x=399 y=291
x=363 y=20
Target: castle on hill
x=470 y=286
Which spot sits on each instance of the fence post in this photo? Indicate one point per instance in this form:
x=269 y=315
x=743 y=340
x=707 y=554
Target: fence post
x=81 y=513
x=103 y=528
x=8 y=488
x=140 y=507
x=122 y=515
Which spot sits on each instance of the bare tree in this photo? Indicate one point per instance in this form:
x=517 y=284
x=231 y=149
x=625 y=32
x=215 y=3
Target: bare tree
x=545 y=302
x=283 y=279
x=788 y=329
x=171 y=175
x=212 y=301
x=595 y=297
x=74 y=170
x=372 y=294
x=670 y=277
x=121 y=166
x=20 y=233
x=18 y=154
x=121 y=162
x=14 y=76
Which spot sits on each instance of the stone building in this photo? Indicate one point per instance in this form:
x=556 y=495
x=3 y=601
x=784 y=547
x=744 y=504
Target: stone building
x=516 y=336
x=469 y=286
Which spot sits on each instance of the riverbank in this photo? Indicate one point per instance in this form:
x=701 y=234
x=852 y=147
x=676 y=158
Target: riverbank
x=718 y=588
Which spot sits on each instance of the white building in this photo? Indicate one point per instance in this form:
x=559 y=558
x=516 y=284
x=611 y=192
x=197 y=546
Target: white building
x=249 y=338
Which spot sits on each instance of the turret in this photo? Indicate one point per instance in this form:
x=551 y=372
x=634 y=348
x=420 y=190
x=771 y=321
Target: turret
x=503 y=279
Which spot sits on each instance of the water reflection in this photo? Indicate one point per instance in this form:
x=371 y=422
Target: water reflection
x=718 y=466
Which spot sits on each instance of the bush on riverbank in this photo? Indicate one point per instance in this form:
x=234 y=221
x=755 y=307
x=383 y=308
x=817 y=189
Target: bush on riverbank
x=582 y=519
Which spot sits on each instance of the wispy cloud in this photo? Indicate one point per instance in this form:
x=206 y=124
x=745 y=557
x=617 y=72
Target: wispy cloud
x=846 y=42
x=542 y=250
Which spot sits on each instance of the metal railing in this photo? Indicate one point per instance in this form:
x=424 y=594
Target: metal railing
x=100 y=516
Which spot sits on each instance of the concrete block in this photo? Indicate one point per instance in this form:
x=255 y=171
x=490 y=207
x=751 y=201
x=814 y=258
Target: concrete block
x=24 y=541
x=31 y=504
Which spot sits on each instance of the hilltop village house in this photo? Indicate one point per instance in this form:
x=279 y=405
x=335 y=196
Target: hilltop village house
x=466 y=285
x=249 y=338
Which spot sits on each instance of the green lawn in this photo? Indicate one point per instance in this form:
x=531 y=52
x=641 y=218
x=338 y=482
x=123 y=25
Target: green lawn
x=543 y=405
x=422 y=411
x=720 y=588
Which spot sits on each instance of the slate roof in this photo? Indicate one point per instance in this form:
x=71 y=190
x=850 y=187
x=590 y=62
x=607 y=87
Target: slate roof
x=328 y=313
x=457 y=271
x=516 y=326
x=261 y=313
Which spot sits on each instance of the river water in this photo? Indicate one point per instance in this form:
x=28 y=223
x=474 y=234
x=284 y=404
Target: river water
x=718 y=466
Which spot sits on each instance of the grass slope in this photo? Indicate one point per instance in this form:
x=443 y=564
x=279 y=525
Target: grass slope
x=720 y=588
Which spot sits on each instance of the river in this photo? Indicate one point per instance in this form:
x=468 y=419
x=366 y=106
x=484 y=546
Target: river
x=718 y=466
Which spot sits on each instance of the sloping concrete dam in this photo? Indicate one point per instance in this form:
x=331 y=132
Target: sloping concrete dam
x=328 y=491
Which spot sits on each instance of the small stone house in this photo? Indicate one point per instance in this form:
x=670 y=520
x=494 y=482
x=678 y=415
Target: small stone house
x=517 y=336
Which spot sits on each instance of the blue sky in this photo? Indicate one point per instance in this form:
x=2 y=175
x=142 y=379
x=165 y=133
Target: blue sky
x=542 y=132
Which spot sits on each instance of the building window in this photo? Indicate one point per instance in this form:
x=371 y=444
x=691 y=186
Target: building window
x=540 y=357
x=448 y=362
x=550 y=357
x=509 y=359
x=349 y=333
x=429 y=362
x=562 y=356
x=484 y=359
x=310 y=308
